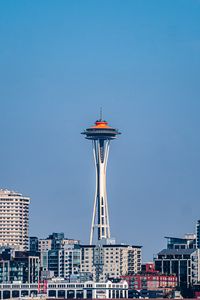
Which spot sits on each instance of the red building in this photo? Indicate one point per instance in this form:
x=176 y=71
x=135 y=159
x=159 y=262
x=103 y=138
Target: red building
x=150 y=279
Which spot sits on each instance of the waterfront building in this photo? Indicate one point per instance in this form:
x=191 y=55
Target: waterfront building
x=81 y=277
x=14 y=220
x=151 y=280
x=105 y=261
x=182 y=262
x=100 y=134
x=182 y=258
x=63 y=289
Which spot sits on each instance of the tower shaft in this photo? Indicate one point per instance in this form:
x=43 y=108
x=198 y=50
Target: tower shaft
x=100 y=219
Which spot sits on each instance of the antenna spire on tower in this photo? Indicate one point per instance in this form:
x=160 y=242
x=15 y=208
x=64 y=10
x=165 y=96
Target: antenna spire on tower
x=101 y=118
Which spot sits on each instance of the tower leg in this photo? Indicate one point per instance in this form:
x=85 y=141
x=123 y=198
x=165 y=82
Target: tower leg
x=100 y=218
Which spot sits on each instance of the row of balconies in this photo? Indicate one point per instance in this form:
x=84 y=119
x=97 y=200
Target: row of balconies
x=11 y=220
x=8 y=202
x=6 y=232
x=10 y=226
x=13 y=205
x=14 y=236
x=14 y=208
x=22 y=218
x=6 y=214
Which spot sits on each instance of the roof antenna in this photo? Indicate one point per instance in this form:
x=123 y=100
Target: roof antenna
x=101 y=114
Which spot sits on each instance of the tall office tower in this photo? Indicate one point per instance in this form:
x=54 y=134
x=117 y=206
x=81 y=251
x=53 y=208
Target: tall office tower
x=101 y=134
x=198 y=234
x=14 y=220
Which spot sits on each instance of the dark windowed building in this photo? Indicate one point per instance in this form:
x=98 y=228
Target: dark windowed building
x=20 y=266
x=33 y=244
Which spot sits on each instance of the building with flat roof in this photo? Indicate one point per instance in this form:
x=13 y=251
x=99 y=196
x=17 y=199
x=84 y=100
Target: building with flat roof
x=65 y=290
x=151 y=280
x=19 y=266
x=186 y=242
x=33 y=243
x=14 y=219
x=182 y=262
x=65 y=262
x=106 y=261
x=54 y=241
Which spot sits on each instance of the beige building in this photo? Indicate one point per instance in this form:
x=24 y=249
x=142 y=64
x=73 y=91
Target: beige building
x=44 y=245
x=110 y=260
x=69 y=242
x=14 y=219
x=47 y=244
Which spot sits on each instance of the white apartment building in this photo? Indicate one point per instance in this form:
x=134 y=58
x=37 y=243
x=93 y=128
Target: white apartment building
x=14 y=219
x=71 y=258
x=63 y=262
x=106 y=261
x=62 y=289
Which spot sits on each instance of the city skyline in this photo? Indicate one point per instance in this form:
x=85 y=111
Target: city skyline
x=140 y=62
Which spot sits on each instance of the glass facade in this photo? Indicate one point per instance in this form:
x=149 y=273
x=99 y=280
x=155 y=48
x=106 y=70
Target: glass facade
x=18 y=266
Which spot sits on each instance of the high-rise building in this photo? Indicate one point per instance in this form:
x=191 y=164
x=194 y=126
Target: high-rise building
x=100 y=134
x=14 y=219
x=198 y=234
x=106 y=261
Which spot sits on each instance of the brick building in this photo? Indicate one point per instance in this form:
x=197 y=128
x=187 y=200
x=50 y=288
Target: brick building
x=150 y=279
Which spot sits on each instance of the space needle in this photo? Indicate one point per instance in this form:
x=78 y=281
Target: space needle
x=101 y=134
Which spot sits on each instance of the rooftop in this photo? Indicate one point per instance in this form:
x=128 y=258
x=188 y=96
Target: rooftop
x=176 y=251
x=6 y=192
x=9 y=194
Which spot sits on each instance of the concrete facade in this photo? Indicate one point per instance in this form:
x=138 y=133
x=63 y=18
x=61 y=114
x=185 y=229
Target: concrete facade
x=14 y=220
x=108 y=261
x=62 y=289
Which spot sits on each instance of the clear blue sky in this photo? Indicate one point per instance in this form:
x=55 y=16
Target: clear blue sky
x=140 y=60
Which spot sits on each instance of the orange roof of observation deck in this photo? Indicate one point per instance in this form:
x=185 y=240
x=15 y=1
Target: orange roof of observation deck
x=101 y=125
x=101 y=130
